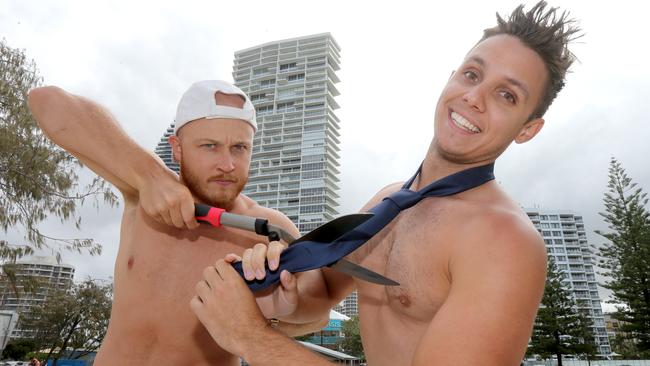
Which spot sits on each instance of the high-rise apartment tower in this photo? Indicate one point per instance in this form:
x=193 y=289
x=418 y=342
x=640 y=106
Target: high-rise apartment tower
x=294 y=166
x=566 y=241
x=164 y=150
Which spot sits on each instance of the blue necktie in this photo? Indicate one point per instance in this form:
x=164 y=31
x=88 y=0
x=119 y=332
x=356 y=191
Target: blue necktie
x=308 y=255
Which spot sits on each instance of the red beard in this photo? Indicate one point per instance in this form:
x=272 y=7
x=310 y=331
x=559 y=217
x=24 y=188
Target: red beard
x=223 y=199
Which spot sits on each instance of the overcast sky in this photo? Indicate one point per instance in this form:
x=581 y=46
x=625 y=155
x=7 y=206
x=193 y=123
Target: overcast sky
x=137 y=58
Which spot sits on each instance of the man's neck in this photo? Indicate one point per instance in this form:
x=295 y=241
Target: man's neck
x=436 y=167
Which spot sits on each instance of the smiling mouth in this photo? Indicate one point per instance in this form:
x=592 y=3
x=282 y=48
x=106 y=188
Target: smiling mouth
x=463 y=123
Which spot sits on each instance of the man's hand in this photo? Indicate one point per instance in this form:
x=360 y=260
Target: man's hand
x=227 y=308
x=274 y=302
x=254 y=259
x=168 y=201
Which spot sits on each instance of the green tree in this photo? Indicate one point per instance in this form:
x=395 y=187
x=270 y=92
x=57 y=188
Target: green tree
x=304 y=337
x=624 y=346
x=351 y=343
x=18 y=349
x=37 y=179
x=560 y=328
x=72 y=320
x=626 y=257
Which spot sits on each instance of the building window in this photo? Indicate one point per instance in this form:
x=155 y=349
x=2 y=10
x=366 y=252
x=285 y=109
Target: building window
x=313 y=151
x=315 y=105
x=296 y=77
x=313 y=166
x=264 y=110
x=314 y=124
x=313 y=158
x=290 y=92
x=315 y=135
x=312 y=174
x=312 y=209
x=288 y=66
x=313 y=192
x=255 y=97
x=283 y=107
x=260 y=71
x=317 y=64
x=269 y=82
x=312 y=200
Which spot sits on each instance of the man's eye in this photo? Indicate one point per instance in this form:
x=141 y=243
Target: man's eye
x=508 y=96
x=209 y=146
x=240 y=147
x=470 y=75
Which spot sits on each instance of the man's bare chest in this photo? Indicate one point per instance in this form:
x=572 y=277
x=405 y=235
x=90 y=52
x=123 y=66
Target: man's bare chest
x=152 y=254
x=412 y=250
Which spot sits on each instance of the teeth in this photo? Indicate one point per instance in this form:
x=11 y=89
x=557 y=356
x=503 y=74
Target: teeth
x=461 y=122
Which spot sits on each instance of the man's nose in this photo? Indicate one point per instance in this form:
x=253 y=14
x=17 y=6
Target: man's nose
x=226 y=163
x=474 y=97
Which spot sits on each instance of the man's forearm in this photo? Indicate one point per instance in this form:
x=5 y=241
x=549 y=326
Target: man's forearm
x=318 y=294
x=89 y=132
x=275 y=349
x=294 y=329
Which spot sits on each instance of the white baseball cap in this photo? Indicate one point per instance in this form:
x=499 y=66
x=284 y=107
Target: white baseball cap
x=199 y=102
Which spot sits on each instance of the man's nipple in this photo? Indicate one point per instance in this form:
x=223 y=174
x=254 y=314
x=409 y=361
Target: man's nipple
x=129 y=264
x=405 y=300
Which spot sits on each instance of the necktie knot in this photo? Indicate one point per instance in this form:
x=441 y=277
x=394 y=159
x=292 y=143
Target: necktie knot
x=404 y=198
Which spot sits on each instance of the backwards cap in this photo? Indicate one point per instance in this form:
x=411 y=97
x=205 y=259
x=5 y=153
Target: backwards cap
x=199 y=102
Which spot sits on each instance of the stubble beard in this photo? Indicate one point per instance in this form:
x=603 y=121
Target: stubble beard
x=224 y=199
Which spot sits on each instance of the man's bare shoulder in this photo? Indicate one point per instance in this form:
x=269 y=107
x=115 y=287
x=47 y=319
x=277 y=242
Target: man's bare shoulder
x=383 y=193
x=501 y=238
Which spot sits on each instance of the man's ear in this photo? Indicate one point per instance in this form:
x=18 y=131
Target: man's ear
x=175 y=142
x=530 y=129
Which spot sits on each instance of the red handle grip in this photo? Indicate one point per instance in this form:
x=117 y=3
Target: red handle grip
x=208 y=214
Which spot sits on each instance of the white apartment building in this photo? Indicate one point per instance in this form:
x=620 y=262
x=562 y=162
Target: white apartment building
x=566 y=241
x=50 y=275
x=295 y=151
x=350 y=305
x=164 y=150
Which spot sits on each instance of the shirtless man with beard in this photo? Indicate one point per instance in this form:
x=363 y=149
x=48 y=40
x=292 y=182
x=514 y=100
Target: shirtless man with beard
x=471 y=266
x=163 y=250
